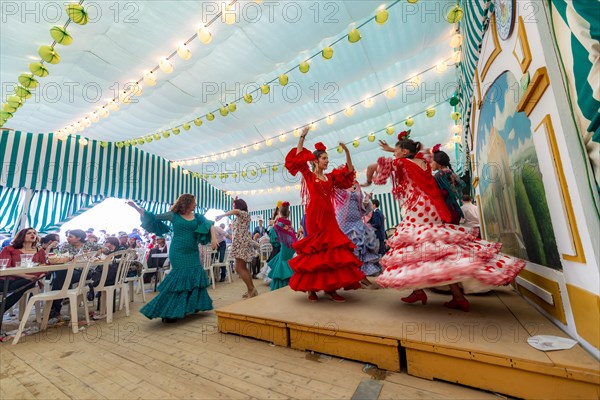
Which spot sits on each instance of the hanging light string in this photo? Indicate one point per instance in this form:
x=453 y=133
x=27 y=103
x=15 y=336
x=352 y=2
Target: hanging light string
x=312 y=124
x=275 y=166
x=28 y=82
x=69 y=130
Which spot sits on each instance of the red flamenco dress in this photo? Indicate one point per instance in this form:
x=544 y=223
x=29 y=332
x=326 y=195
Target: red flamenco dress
x=427 y=251
x=324 y=259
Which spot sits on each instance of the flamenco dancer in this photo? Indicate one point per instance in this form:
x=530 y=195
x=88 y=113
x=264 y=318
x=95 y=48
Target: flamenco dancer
x=280 y=272
x=325 y=259
x=426 y=251
x=183 y=292
x=448 y=182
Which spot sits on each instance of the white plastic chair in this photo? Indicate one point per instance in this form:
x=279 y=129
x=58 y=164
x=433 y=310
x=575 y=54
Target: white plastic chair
x=23 y=303
x=225 y=264
x=64 y=293
x=206 y=257
x=130 y=280
x=122 y=283
x=106 y=305
x=264 y=252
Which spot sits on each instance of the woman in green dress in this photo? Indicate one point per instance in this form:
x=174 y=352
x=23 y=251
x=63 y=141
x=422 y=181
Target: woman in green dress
x=183 y=291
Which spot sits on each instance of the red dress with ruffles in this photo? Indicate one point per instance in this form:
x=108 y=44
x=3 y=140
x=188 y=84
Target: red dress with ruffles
x=324 y=259
x=425 y=250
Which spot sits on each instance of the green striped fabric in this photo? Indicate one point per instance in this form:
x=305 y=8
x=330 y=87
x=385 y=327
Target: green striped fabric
x=42 y=162
x=49 y=210
x=576 y=26
x=11 y=204
x=473 y=26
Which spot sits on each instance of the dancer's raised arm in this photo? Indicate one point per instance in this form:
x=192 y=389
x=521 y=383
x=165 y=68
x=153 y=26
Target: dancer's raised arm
x=348 y=159
x=301 y=140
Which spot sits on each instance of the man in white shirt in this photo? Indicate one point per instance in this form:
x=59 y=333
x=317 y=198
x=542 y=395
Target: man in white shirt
x=471 y=214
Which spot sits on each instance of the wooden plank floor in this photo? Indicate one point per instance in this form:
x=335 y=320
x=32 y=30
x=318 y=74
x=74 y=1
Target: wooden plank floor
x=137 y=358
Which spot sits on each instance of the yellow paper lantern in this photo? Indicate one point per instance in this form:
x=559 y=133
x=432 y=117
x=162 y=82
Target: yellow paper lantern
x=371 y=137
x=224 y=111
x=355 y=143
x=184 y=52
x=354 y=36
x=304 y=67
x=232 y=107
x=283 y=79
x=248 y=98
x=204 y=35
x=327 y=53
x=340 y=149
x=210 y=116
x=430 y=112
x=186 y=127
x=410 y=122
x=265 y=89
x=197 y=122
x=382 y=16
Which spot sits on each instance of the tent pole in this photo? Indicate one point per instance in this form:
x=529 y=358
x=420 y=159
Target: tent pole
x=24 y=212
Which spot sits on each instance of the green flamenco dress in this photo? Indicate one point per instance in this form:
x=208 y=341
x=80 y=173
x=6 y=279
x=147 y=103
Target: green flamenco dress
x=281 y=272
x=183 y=290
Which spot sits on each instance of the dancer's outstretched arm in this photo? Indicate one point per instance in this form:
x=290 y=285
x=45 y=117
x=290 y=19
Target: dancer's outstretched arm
x=348 y=158
x=301 y=140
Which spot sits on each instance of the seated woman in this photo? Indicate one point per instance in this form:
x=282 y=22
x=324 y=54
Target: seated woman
x=76 y=245
x=24 y=243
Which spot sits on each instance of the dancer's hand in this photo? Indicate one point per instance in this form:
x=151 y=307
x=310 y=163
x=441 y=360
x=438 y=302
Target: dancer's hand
x=304 y=132
x=218 y=218
x=367 y=184
x=343 y=146
x=385 y=147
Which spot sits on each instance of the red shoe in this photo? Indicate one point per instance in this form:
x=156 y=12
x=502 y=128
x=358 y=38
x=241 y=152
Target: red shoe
x=416 y=296
x=312 y=296
x=335 y=297
x=462 y=305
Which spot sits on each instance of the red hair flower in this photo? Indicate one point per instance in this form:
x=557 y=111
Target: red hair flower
x=320 y=146
x=403 y=135
x=286 y=204
x=436 y=148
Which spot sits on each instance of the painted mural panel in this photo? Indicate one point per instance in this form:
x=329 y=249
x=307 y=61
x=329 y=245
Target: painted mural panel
x=515 y=210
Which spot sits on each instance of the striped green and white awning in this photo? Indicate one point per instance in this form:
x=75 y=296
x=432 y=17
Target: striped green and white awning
x=42 y=162
x=576 y=28
x=472 y=27
x=11 y=205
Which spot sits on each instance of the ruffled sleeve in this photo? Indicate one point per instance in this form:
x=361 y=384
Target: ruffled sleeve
x=297 y=162
x=384 y=170
x=342 y=179
x=203 y=235
x=151 y=222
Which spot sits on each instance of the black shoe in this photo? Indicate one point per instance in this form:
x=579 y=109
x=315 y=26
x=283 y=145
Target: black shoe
x=169 y=320
x=222 y=279
x=90 y=295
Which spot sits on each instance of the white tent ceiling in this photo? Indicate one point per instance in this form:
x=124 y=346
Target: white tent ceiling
x=124 y=39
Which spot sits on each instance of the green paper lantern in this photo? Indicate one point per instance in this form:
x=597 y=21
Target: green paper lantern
x=77 y=14
x=210 y=116
x=197 y=122
x=232 y=107
x=166 y=134
x=283 y=79
x=5 y=115
x=327 y=53
x=14 y=101
x=248 y=98
x=455 y=15
x=186 y=126
x=224 y=111
x=354 y=36
x=38 y=69
x=6 y=107
x=28 y=81
x=454 y=101
x=49 y=54
x=22 y=92
x=176 y=131
x=382 y=16
x=304 y=67
x=61 y=36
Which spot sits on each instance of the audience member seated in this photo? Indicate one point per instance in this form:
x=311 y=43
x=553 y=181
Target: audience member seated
x=24 y=243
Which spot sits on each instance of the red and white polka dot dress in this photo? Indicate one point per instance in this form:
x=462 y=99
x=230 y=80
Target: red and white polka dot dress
x=425 y=251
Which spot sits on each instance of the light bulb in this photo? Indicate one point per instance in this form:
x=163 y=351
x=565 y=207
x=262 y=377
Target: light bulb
x=103 y=112
x=390 y=93
x=296 y=132
x=233 y=153
x=269 y=142
x=415 y=80
x=442 y=66
x=150 y=78
x=94 y=117
x=184 y=52
x=245 y=150
x=204 y=35
x=349 y=111
x=456 y=57
x=312 y=126
x=229 y=15
x=456 y=40
x=329 y=120
x=282 y=137
x=165 y=66
x=369 y=102
x=256 y=146
x=113 y=106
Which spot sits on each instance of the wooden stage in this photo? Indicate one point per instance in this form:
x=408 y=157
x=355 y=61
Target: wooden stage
x=485 y=348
